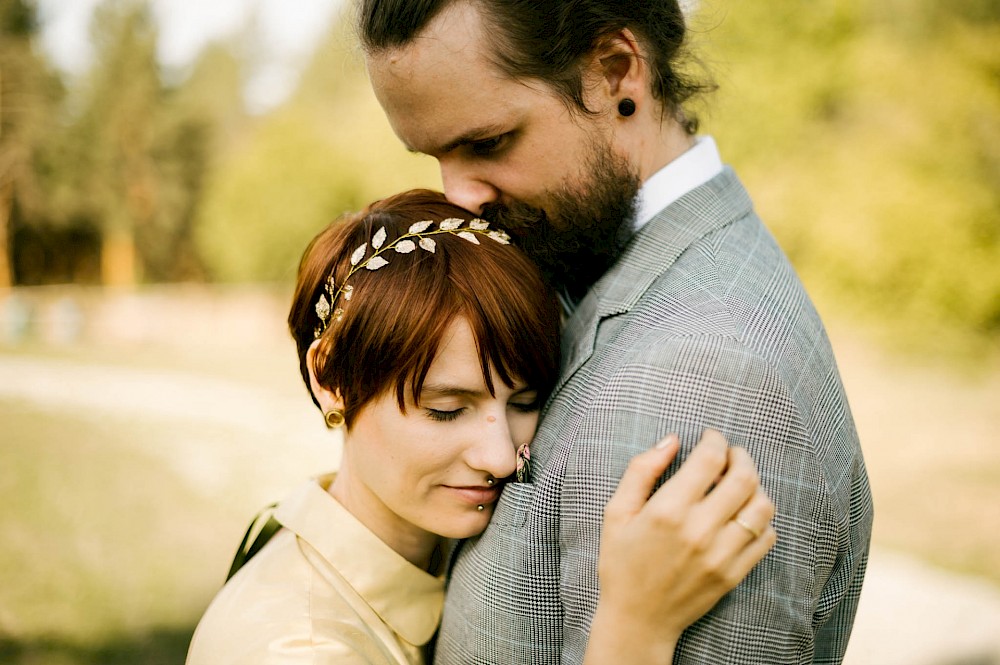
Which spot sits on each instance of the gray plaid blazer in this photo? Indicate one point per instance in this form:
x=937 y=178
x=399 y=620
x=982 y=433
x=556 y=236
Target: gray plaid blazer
x=701 y=323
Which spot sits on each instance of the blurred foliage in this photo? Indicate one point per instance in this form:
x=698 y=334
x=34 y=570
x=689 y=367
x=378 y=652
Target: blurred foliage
x=29 y=96
x=868 y=134
x=132 y=158
x=119 y=160
x=327 y=151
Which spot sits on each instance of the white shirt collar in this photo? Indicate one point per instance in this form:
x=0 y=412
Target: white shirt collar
x=695 y=167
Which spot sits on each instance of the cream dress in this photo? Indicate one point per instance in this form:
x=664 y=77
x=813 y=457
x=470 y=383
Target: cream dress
x=325 y=589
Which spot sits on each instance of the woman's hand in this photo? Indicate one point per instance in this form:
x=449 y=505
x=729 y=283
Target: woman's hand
x=666 y=559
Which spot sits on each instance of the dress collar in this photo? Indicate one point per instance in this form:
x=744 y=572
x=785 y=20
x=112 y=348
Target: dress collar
x=695 y=167
x=409 y=600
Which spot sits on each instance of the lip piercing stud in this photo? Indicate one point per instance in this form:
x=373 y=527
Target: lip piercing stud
x=480 y=507
x=491 y=481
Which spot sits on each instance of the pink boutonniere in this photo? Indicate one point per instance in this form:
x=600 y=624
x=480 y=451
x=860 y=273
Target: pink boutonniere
x=523 y=472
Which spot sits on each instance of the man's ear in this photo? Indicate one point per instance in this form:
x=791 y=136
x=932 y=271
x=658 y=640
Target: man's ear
x=619 y=69
x=328 y=399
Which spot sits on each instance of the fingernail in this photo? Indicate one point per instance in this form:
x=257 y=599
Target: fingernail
x=666 y=441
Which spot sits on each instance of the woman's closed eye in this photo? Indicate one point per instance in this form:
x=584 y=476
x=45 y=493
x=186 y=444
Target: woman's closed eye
x=444 y=415
x=526 y=407
x=524 y=400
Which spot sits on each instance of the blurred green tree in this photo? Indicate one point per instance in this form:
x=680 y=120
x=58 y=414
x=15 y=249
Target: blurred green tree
x=29 y=95
x=198 y=122
x=112 y=145
x=136 y=153
x=327 y=150
x=213 y=90
x=870 y=137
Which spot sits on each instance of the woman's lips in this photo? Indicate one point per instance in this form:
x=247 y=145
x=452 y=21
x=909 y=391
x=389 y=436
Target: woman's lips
x=476 y=495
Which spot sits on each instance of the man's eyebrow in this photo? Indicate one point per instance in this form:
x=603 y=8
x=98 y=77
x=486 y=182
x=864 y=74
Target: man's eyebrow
x=471 y=136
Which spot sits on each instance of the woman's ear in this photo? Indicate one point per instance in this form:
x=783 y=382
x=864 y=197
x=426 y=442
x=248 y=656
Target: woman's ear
x=328 y=399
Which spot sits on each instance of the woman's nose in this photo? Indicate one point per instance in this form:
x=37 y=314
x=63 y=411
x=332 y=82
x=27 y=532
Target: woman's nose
x=494 y=452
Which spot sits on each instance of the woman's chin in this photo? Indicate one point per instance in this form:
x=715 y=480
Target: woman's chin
x=468 y=525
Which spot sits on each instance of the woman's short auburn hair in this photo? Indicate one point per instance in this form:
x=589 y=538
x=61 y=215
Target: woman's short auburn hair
x=390 y=330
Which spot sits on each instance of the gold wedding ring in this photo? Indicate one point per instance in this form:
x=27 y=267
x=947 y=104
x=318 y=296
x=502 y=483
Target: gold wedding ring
x=752 y=531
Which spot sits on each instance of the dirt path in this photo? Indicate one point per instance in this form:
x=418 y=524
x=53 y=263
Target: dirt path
x=911 y=613
x=914 y=614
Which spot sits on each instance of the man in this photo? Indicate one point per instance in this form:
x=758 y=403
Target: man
x=565 y=122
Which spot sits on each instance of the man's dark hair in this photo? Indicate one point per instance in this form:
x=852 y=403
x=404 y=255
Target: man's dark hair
x=549 y=39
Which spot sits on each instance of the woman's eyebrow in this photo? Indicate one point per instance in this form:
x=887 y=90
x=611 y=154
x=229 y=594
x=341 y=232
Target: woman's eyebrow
x=444 y=390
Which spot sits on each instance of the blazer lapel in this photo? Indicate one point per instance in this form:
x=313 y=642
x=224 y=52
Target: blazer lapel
x=648 y=255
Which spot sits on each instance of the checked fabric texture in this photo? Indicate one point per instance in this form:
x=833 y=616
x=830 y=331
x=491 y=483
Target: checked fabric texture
x=701 y=323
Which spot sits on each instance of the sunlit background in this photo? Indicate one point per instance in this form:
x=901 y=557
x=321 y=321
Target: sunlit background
x=163 y=164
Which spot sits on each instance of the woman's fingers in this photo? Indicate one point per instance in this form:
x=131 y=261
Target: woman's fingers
x=682 y=546
x=738 y=485
x=742 y=542
x=641 y=476
x=732 y=550
x=750 y=554
x=714 y=501
x=700 y=470
x=751 y=521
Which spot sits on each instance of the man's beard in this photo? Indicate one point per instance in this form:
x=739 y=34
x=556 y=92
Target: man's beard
x=583 y=230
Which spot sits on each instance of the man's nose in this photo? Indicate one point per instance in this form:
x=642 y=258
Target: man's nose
x=464 y=188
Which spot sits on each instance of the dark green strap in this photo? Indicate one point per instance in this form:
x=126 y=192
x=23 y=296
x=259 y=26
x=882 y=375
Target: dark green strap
x=270 y=527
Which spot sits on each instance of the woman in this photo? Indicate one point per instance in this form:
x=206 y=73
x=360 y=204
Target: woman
x=434 y=344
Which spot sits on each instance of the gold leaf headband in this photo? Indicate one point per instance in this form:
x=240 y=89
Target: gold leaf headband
x=417 y=236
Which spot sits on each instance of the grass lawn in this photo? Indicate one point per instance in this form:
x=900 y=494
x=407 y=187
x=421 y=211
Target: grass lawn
x=118 y=528
x=104 y=557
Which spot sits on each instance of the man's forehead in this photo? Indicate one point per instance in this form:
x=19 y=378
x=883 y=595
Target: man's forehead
x=438 y=99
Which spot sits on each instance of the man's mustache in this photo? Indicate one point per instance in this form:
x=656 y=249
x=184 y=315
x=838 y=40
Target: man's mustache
x=515 y=218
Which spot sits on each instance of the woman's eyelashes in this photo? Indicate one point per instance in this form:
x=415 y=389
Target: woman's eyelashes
x=441 y=415
x=525 y=401
x=447 y=415
x=526 y=407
